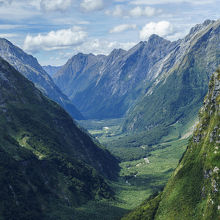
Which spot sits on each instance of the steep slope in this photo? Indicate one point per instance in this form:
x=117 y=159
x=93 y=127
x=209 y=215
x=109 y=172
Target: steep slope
x=193 y=190
x=106 y=87
x=177 y=93
x=31 y=69
x=47 y=163
x=51 y=70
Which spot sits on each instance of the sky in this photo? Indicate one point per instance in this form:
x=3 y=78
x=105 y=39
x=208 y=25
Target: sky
x=55 y=30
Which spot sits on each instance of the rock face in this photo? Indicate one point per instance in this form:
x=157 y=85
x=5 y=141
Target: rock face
x=193 y=191
x=47 y=163
x=31 y=69
x=182 y=81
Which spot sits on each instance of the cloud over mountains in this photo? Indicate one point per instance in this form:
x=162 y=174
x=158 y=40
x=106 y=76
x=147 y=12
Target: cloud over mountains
x=54 y=40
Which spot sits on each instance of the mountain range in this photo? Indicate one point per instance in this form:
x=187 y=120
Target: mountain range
x=155 y=82
x=106 y=86
x=31 y=69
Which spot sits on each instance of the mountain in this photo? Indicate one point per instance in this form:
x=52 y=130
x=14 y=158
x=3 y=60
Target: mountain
x=181 y=83
x=157 y=82
x=31 y=69
x=107 y=86
x=48 y=165
x=193 y=190
x=51 y=70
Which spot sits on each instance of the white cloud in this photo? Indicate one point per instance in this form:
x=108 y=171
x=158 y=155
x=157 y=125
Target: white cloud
x=139 y=11
x=8 y=35
x=16 y=10
x=10 y=26
x=60 y=39
x=117 y=12
x=162 y=28
x=120 y=0
x=92 y=5
x=3 y=2
x=55 y=5
x=122 y=27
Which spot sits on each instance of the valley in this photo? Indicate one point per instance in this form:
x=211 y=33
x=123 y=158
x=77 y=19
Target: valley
x=144 y=169
x=130 y=134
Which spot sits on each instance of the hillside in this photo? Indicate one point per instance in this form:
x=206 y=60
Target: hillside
x=48 y=165
x=31 y=69
x=193 y=190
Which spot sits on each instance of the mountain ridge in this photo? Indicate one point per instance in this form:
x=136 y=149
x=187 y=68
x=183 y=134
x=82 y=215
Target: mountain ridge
x=29 y=66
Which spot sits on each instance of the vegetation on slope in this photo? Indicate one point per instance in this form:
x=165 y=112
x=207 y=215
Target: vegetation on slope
x=193 y=190
x=46 y=162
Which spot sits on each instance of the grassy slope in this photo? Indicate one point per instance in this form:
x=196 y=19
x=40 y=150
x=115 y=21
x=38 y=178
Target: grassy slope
x=193 y=190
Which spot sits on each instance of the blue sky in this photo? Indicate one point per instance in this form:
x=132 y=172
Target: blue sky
x=55 y=30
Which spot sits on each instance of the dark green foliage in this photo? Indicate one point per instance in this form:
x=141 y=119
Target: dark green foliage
x=47 y=163
x=150 y=137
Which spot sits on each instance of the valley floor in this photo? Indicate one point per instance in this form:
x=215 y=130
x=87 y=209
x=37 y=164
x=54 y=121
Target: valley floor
x=144 y=169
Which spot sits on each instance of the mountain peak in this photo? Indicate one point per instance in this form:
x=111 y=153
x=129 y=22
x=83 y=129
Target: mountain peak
x=198 y=27
x=154 y=39
x=5 y=40
x=207 y=22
